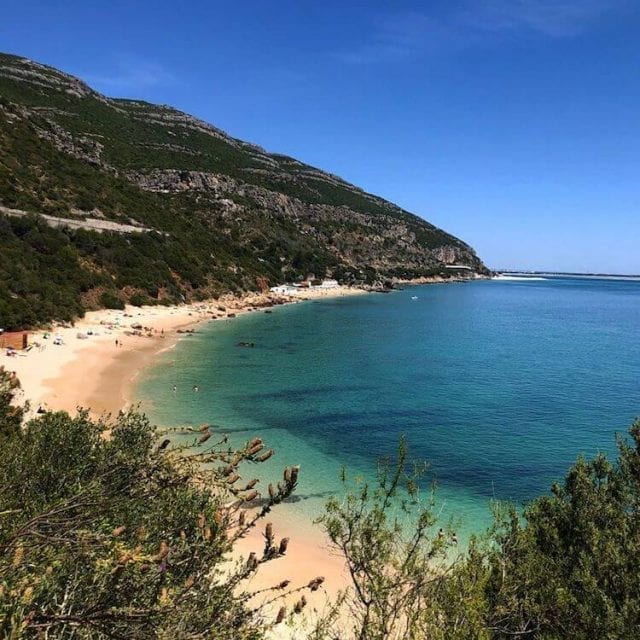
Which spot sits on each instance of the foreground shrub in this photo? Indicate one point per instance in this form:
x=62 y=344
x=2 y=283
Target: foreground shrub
x=566 y=567
x=110 y=530
x=107 y=532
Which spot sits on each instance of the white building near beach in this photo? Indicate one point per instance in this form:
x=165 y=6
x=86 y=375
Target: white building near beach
x=284 y=290
x=293 y=289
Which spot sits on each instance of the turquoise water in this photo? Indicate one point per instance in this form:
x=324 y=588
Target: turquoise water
x=498 y=384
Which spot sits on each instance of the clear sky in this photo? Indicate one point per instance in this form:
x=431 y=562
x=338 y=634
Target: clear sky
x=514 y=124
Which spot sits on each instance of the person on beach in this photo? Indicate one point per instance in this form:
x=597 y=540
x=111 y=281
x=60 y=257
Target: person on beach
x=116 y=343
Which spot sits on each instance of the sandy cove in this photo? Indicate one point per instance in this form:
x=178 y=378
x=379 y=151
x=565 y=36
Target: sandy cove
x=94 y=373
x=72 y=374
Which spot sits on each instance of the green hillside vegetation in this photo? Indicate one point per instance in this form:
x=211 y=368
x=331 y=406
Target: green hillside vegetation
x=127 y=537
x=224 y=212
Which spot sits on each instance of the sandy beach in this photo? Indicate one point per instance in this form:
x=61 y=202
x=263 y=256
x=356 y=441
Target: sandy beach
x=89 y=370
x=101 y=355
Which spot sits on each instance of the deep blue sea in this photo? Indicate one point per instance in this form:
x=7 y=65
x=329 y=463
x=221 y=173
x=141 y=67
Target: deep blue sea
x=498 y=384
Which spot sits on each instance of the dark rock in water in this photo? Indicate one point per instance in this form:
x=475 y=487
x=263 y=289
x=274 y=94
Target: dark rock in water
x=268 y=311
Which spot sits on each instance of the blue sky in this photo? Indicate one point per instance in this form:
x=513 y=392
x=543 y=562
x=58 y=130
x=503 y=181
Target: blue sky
x=514 y=124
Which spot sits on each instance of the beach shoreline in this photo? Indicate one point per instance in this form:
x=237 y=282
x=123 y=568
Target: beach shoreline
x=102 y=354
x=88 y=370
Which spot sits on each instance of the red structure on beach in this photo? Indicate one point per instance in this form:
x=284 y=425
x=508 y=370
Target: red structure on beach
x=14 y=340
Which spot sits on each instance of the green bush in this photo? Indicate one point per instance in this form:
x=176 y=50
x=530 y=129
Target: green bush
x=564 y=568
x=128 y=536
x=111 y=300
x=140 y=299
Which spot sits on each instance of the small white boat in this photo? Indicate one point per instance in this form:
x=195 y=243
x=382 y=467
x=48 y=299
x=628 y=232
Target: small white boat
x=414 y=297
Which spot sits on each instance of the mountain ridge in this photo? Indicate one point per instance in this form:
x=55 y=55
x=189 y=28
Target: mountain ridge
x=238 y=212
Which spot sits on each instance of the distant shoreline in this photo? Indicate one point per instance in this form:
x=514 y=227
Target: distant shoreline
x=570 y=274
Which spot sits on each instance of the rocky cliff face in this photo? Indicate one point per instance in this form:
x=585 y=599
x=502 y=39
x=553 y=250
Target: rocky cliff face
x=280 y=211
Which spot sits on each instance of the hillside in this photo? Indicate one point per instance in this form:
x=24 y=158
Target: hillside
x=176 y=208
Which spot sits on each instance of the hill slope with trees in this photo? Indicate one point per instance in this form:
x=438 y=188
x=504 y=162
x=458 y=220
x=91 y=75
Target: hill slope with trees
x=222 y=212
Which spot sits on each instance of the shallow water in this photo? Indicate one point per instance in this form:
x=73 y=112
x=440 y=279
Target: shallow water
x=498 y=384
